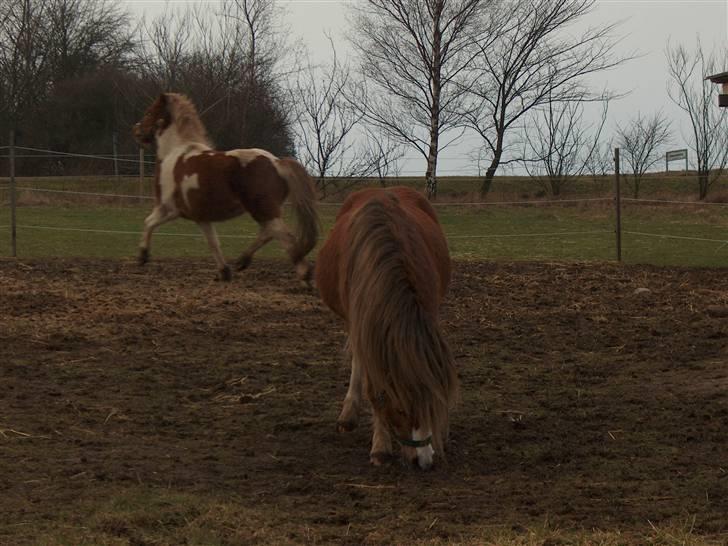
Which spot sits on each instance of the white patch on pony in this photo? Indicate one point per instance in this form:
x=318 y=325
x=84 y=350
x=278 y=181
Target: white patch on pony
x=188 y=183
x=166 y=181
x=246 y=155
x=426 y=453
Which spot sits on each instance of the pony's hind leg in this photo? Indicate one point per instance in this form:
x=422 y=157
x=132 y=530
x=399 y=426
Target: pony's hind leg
x=212 y=240
x=264 y=237
x=160 y=215
x=349 y=416
x=280 y=231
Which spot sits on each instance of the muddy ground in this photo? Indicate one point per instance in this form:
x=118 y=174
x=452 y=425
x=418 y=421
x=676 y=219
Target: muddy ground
x=586 y=403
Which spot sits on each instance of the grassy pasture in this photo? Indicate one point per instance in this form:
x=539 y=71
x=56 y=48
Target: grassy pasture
x=66 y=224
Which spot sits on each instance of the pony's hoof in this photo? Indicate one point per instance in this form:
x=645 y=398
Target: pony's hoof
x=304 y=270
x=345 y=426
x=380 y=458
x=143 y=256
x=225 y=274
x=243 y=262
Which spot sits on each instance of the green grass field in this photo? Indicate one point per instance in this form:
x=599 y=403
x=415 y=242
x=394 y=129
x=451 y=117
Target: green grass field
x=55 y=224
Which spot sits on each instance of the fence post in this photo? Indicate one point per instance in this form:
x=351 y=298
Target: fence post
x=141 y=171
x=116 y=154
x=13 y=200
x=617 y=205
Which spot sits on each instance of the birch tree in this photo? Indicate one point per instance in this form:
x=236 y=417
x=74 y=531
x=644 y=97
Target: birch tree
x=414 y=57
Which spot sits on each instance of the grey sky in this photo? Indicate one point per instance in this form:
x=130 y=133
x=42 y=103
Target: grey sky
x=646 y=27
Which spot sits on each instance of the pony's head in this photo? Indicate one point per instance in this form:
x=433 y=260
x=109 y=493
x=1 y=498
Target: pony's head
x=415 y=439
x=155 y=120
x=413 y=401
x=167 y=111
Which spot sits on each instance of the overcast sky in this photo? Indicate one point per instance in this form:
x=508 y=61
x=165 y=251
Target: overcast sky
x=646 y=27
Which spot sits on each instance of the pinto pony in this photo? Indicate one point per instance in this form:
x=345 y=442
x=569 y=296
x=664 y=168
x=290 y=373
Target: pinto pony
x=195 y=182
x=385 y=269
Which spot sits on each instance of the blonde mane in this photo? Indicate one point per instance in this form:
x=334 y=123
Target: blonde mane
x=393 y=327
x=186 y=119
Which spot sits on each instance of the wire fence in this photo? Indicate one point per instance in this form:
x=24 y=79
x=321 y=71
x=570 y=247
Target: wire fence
x=542 y=234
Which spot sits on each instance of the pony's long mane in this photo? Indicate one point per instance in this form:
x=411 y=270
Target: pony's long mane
x=186 y=119
x=392 y=314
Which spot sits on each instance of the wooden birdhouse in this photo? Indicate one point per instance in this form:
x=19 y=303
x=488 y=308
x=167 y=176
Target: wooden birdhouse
x=721 y=79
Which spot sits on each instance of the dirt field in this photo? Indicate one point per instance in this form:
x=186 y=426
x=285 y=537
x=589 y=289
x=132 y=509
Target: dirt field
x=155 y=406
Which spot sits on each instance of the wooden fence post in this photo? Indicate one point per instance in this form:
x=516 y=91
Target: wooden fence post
x=13 y=199
x=617 y=205
x=141 y=171
x=114 y=145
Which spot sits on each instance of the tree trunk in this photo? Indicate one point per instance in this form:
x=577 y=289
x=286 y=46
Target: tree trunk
x=487 y=182
x=556 y=186
x=431 y=174
x=703 y=185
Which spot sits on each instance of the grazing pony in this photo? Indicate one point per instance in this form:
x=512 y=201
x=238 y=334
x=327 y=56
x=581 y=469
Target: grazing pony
x=385 y=269
x=195 y=182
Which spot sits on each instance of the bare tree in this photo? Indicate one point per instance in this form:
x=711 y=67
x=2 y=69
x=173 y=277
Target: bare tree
x=559 y=144
x=258 y=32
x=697 y=98
x=325 y=121
x=530 y=62
x=24 y=56
x=165 y=44
x=413 y=56
x=87 y=34
x=383 y=155
x=601 y=161
x=640 y=141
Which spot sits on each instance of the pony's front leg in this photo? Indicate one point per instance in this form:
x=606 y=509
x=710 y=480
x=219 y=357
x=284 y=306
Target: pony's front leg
x=160 y=215
x=223 y=268
x=349 y=416
x=381 y=452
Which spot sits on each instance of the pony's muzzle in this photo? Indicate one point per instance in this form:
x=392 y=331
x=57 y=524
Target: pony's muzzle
x=142 y=138
x=421 y=457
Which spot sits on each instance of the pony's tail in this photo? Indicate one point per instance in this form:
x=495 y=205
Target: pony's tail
x=303 y=199
x=393 y=334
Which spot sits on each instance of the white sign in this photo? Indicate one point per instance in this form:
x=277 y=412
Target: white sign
x=676 y=155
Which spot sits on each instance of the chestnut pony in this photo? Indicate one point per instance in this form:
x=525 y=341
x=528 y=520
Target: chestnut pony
x=195 y=182
x=385 y=269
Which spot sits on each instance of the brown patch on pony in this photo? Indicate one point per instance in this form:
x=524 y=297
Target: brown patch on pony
x=227 y=189
x=385 y=268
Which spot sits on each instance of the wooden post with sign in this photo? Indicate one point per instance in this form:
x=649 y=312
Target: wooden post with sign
x=676 y=155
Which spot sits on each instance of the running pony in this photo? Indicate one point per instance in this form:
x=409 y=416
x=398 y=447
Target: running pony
x=195 y=182
x=385 y=269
